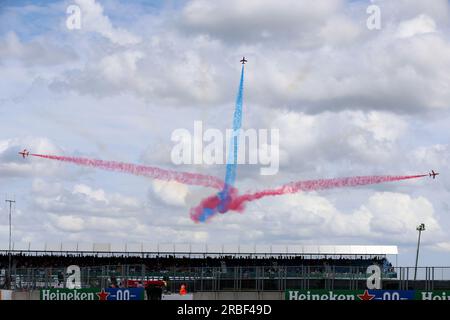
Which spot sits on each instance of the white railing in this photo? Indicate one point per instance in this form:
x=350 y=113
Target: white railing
x=205 y=248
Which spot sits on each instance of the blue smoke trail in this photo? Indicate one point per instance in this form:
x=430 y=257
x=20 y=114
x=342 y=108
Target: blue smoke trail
x=230 y=175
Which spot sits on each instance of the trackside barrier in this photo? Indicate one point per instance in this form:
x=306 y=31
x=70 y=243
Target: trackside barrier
x=5 y=295
x=366 y=294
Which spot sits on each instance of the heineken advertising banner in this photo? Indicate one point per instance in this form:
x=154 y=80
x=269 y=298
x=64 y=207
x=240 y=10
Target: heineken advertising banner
x=433 y=295
x=366 y=295
x=93 y=294
x=125 y=294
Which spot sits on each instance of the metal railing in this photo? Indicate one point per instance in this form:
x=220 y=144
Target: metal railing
x=240 y=278
x=202 y=249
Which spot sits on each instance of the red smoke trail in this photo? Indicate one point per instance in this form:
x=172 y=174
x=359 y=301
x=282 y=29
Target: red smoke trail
x=140 y=170
x=208 y=207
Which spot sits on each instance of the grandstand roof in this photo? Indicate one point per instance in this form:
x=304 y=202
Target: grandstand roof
x=184 y=248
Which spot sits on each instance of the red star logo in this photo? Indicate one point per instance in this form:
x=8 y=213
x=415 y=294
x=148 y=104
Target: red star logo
x=102 y=295
x=366 y=296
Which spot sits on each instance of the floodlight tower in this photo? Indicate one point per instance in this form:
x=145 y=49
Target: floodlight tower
x=420 y=228
x=9 y=246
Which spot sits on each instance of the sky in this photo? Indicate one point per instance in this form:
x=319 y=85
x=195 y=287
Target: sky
x=347 y=100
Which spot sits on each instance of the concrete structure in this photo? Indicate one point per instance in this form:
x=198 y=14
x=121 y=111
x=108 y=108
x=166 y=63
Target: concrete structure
x=241 y=295
x=26 y=295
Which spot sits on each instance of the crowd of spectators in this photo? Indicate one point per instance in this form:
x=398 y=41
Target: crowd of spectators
x=166 y=262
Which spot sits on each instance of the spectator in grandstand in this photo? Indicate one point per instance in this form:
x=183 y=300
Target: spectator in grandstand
x=165 y=264
x=149 y=291
x=159 y=291
x=154 y=292
x=113 y=282
x=60 y=279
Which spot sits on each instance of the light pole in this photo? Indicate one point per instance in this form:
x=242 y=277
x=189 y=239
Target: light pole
x=420 y=228
x=9 y=247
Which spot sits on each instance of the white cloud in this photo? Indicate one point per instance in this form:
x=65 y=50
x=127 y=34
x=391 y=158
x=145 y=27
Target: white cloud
x=43 y=188
x=120 y=67
x=420 y=25
x=398 y=215
x=437 y=155
x=39 y=52
x=201 y=236
x=442 y=246
x=401 y=10
x=94 y=20
x=355 y=136
x=105 y=224
x=96 y=195
x=179 y=77
x=346 y=100
x=385 y=217
x=339 y=30
x=83 y=200
x=12 y=164
x=68 y=223
x=171 y=192
x=188 y=63
x=259 y=20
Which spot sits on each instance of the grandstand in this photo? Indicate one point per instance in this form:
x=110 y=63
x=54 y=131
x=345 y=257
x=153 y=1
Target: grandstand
x=211 y=268
x=203 y=267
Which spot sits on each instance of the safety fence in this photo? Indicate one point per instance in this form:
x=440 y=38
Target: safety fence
x=240 y=278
